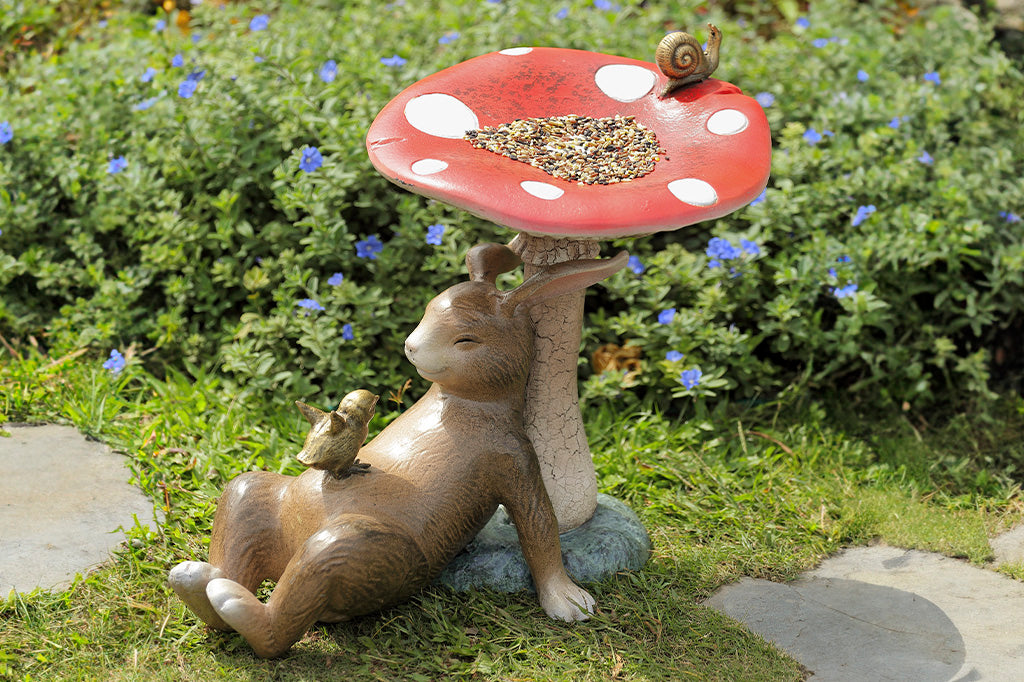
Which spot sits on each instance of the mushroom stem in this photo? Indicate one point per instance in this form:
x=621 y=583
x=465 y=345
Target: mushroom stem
x=553 y=421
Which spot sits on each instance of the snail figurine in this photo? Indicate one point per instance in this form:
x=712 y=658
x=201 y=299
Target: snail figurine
x=335 y=437
x=684 y=61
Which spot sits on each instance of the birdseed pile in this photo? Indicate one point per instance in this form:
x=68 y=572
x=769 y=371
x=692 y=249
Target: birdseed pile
x=580 y=149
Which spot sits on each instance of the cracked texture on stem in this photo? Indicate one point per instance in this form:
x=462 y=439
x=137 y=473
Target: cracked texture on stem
x=553 y=421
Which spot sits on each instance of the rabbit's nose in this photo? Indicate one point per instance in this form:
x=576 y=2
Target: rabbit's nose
x=410 y=351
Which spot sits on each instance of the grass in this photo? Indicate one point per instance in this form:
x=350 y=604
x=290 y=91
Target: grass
x=764 y=493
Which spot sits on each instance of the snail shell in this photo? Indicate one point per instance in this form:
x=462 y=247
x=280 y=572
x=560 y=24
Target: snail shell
x=681 y=58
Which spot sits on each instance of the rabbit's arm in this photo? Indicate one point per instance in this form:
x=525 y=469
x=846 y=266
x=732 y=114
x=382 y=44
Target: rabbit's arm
x=530 y=508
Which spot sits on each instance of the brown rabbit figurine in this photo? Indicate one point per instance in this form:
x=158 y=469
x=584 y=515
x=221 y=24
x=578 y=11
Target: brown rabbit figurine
x=342 y=548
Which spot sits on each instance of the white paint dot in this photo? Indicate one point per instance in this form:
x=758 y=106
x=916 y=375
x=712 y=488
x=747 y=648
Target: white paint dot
x=428 y=166
x=440 y=115
x=625 y=82
x=727 y=122
x=542 y=190
x=693 y=191
x=516 y=51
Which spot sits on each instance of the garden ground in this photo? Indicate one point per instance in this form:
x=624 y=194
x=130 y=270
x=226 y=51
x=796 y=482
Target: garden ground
x=865 y=613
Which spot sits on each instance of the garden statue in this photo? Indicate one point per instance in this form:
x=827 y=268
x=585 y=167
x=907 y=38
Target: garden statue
x=340 y=547
x=572 y=148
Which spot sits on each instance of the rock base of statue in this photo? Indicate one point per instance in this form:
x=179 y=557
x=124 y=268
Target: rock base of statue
x=612 y=540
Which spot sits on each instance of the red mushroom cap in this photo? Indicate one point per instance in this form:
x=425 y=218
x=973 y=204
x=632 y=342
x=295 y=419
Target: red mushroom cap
x=717 y=142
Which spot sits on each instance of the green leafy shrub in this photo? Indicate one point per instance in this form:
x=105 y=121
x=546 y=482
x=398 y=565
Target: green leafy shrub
x=162 y=190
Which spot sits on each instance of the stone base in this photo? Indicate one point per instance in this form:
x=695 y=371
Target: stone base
x=612 y=540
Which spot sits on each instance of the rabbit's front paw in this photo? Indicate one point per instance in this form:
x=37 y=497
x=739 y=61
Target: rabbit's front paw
x=567 y=601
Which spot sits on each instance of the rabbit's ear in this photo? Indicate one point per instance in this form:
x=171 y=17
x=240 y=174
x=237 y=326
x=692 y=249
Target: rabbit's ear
x=312 y=414
x=563 y=278
x=486 y=261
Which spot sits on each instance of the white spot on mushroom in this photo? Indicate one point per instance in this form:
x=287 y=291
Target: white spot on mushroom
x=693 y=191
x=428 y=166
x=516 y=51
x=440 y=115
x=727 y=122
x=542 y=190
x=625 y=82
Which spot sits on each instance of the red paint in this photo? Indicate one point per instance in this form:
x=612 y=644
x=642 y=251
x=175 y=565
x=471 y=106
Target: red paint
x=556 y=82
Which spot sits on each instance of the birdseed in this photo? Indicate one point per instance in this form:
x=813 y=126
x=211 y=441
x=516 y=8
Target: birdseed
x=580 y=149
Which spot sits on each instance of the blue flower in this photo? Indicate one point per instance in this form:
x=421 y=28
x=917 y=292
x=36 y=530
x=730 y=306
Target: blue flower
x=145 y=104
x=187 y=88
x=6 y=132
x=434 y=234
x=845 y=292
x=832 y=273
x=449 y=37
x=117 y=165
x=336 y=279
x=147 y=75
x=760 y=197
x=820 y=42
x=666 y=316
x=863 y=76
x=115 y=363
x=1009 y=217
x=926 y=158
x=606 y=5
x=673 y=356
x=862 y=214
x=690 y=377
x=394 y=60
x=309 y=304
x=721 y=248
x=259 y=22
x=765 y=99
x=895 y=122
x=712 y=264
x=636 y=265
x=196 y=37
x=803 y=22
x=159 y=25
x=812 y=137
x=311 y=159
x=177 y=60
x=933 y=77
x=258 y=59
x=329 y=71
x=750 y=247
x=562 y=13
x=346 y=332
x=369 y=247
x=196 y=75
x=843 y=259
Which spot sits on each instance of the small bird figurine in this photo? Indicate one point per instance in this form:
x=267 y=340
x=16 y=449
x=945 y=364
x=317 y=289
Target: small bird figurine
x=333 y=442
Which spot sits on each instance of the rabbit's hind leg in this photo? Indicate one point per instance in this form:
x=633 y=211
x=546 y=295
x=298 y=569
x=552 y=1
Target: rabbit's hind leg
x=189 y=580
x=355 y=566
x=247 y=542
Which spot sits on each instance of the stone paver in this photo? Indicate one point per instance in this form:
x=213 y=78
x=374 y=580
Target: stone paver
x=884 y=613
x=62 y=500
